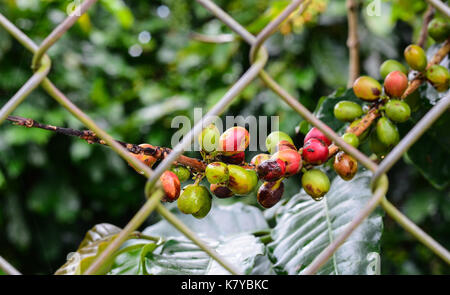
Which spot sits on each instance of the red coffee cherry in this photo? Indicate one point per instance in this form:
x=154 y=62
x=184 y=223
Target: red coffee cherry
x=258 y=159
x=315 y=152
x=171 y=186
x=233 y=141
x=271 y=170
x=395 y=84
x=292 y=159
x=345 y=166
x=238 y=158
x=317 y=134
x=270 y=193
x=284 y=145
x=221 y=191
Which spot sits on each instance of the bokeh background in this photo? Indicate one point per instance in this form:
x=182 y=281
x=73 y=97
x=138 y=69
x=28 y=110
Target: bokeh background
x=135 y=65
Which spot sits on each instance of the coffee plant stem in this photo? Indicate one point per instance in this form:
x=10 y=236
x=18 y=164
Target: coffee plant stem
x=442 y=7
x=194 y=238
x=8 y=268
x=427 y=17
x=124 y=234
x=352 y=41
x=416 y=231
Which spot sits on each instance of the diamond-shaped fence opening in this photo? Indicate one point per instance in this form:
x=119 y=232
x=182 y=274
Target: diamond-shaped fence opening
x=258 y=55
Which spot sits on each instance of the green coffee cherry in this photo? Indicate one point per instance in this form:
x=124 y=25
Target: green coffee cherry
x=351 y=139
x=217 y=172
x=209 y=138
x=347 y=111
x=315 y=183
x=181 y=172
x=391 y=65
x=439 y=29
x=415 y=57
x=364 y=134
x=195 y=200
x=397 y=110
x=387 y=132
x=367 y=88
x=274 y=138
x=439 y=77
x=241 y=181
x=376 y=146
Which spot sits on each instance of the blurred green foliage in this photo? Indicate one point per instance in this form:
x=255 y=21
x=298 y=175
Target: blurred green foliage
x=133 y=66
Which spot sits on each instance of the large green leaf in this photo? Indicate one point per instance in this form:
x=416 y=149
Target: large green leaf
x=305 y=227
x=227 y=229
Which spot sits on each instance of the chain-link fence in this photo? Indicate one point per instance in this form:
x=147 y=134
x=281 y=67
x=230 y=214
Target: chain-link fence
x=41 y=66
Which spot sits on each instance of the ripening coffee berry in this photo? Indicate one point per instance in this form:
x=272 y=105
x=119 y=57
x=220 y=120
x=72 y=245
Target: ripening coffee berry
x=415 y=57
x=233 y=159
x=387 y=132
x=274 y=138
x=270 y=193
x=439 y=29
x=284 y=145
x=345 y=166
x=209 y=138
x=271 y=170
x=347 y=111
x=146 y=159
x=315 y=183
x=241 y=181
x=233 y=141
x=181 y=172
x=292 y=160
x=391 y=65
x=171 y=186
x=367 y=88
x=395 y=84
x=351 y=139
x=221 y=191
x=217 y=172
x=259 y=158
x=439 y=77
x=195 y=200
x=397 y=110
x=317 y=134
x=376 y=146
x=315 y=152
x=354 y=124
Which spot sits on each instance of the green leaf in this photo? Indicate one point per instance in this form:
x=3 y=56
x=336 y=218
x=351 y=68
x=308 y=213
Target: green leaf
x=305 y=227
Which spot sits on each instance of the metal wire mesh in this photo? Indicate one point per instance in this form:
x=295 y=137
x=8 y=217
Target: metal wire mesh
x=41 y=65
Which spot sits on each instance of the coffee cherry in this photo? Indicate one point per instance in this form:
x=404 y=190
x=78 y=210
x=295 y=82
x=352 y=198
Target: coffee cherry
x=351 y=139
x=387 y=132
x=364 y=134
x=241 y=181
x=209 y=138
x=233 y=159
x=217 y=172
x=181 y=172
x=292 y=160
x=271 y=170
x=395 y=84
x=284 y=145
x=195 y=200
x=315 y=152
x=367 y=88
x=347 y=111
x=345 y=166
x=397 y=110
x=439 y=77
x=171 y=186
x=259 y=158
x=413 y=100
x=317 y=134
x=376 y=146
x=274 y=138
x=439 y=29
x=234 y=141
x=146 y=159
x=270 y=193
x=221 y=191
x=415 y=57
x=315 y=183
x=391 y=65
